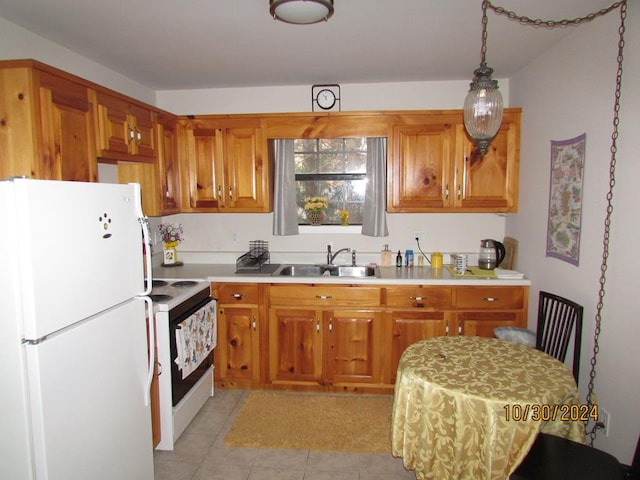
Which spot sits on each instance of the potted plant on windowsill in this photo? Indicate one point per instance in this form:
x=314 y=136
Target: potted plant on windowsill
x=315 y=208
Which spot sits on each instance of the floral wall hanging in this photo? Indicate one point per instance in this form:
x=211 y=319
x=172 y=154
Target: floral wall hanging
x=565 y=199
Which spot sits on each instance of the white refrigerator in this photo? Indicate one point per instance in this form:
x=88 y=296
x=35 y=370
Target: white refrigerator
x=75 y=362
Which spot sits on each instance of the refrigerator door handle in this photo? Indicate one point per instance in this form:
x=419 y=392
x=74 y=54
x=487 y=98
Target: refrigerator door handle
x=151 y=343
x=146 y=238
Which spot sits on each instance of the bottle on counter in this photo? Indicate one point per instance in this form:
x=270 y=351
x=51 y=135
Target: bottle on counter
x=408 y=258
x=399 y=259
x=386 y=257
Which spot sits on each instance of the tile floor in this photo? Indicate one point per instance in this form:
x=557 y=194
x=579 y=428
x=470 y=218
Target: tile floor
x=200 y=454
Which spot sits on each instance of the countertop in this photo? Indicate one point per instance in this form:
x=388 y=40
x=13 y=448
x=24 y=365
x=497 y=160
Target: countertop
x=388 y=276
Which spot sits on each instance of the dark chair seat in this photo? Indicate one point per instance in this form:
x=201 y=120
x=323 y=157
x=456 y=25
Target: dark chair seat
x=555 y=458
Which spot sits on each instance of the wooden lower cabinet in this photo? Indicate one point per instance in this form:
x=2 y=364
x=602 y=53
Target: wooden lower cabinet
x=322 y=337
x=318 y=339
x=410 y=326
x=237 y=355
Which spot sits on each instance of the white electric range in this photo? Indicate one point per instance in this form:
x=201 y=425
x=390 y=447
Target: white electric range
x=183 y=310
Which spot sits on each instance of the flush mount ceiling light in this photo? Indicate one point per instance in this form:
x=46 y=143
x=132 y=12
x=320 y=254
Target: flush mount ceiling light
x=483 y=106
x=301 y=12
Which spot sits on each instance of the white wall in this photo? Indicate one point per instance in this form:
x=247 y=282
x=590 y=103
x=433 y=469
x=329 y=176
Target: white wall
x=19 y=43
x=568 y=91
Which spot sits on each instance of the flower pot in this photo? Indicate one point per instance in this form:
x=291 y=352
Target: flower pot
x=170 y=254
x=315 y=217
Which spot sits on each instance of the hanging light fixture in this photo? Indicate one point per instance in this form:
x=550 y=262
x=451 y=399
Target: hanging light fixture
x=483 y=106
x=301 y=12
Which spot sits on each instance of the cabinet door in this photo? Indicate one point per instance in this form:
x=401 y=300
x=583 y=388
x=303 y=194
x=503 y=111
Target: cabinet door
x=238 y=345
x=482 y=323
x=126 y=131
x=203 y=179
x=352 y=346
x=410 y=326
x=295 y=345
x=419 y=169
x=246 y=171
x=488 y=183
x=68 y=145
x=167 y=168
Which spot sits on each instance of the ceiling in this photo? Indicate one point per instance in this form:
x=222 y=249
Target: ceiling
x=174 y=45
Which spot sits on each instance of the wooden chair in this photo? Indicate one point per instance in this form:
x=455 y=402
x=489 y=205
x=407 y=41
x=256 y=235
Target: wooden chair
x=558 y=318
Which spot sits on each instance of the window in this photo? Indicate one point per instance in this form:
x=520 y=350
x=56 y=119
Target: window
x=334 y=168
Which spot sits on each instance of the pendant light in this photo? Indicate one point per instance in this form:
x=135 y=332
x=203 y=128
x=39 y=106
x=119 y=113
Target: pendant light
x=301 y=12
x=483 y=106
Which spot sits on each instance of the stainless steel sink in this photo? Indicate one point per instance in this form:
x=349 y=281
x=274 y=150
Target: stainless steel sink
x=300 y=271
x=357 y=271
x=303 y=270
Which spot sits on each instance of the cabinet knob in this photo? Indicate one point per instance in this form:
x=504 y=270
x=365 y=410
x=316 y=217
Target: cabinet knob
x=318 y=325
x=489 y=299
x=237 y=296
x=253 y=323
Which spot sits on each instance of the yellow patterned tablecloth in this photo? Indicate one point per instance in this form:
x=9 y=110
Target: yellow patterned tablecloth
x=459 y=403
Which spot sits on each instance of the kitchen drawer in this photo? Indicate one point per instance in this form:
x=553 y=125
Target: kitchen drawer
x=324 y=295
x=232 y=293
x=418 y=297
x=489 y=298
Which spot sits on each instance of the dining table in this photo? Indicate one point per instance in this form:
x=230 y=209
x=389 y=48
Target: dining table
x=471 y=407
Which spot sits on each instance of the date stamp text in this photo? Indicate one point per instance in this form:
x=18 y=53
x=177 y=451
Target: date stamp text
x=550 y=413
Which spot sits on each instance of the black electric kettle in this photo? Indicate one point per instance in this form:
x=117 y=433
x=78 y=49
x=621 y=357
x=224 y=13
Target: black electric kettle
x=491 y=254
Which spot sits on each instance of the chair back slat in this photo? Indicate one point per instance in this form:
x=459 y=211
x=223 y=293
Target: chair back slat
x=558 y=319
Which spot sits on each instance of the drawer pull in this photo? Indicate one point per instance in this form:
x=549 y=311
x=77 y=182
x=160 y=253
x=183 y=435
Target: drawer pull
x=324 y=297
x=489 y=299
x=237 y=296
x=418 y=298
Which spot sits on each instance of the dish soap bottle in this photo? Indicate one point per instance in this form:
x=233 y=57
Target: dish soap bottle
x=385 y=257
x=399 y=259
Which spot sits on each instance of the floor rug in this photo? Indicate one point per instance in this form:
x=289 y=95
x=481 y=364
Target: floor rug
x=348 y=423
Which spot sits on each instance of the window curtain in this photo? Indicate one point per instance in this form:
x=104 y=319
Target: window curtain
x=374 y=219
x=285 y=215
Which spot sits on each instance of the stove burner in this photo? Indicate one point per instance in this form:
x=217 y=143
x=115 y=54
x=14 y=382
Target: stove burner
x=157 y=283
x=184 y=283
x=159 y=297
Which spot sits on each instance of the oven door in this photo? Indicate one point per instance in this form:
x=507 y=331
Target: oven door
x=192 y=338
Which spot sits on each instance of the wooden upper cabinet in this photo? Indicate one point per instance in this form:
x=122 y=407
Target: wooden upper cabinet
x=419 y=174
x=46 y=124
x=126 y=130
x=434 y=167
x=159 y=181
x=489 y=183
x=226 y=167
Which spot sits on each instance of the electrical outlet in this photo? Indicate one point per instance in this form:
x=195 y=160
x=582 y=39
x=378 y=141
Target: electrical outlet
x=421 y=236
x=604 y=419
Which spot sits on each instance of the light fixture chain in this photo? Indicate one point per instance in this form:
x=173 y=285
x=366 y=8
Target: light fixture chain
x=485 y=21
x=537 y=22
x=591 y=400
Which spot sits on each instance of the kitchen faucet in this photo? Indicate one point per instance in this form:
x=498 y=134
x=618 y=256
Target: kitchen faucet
x=331 y=257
